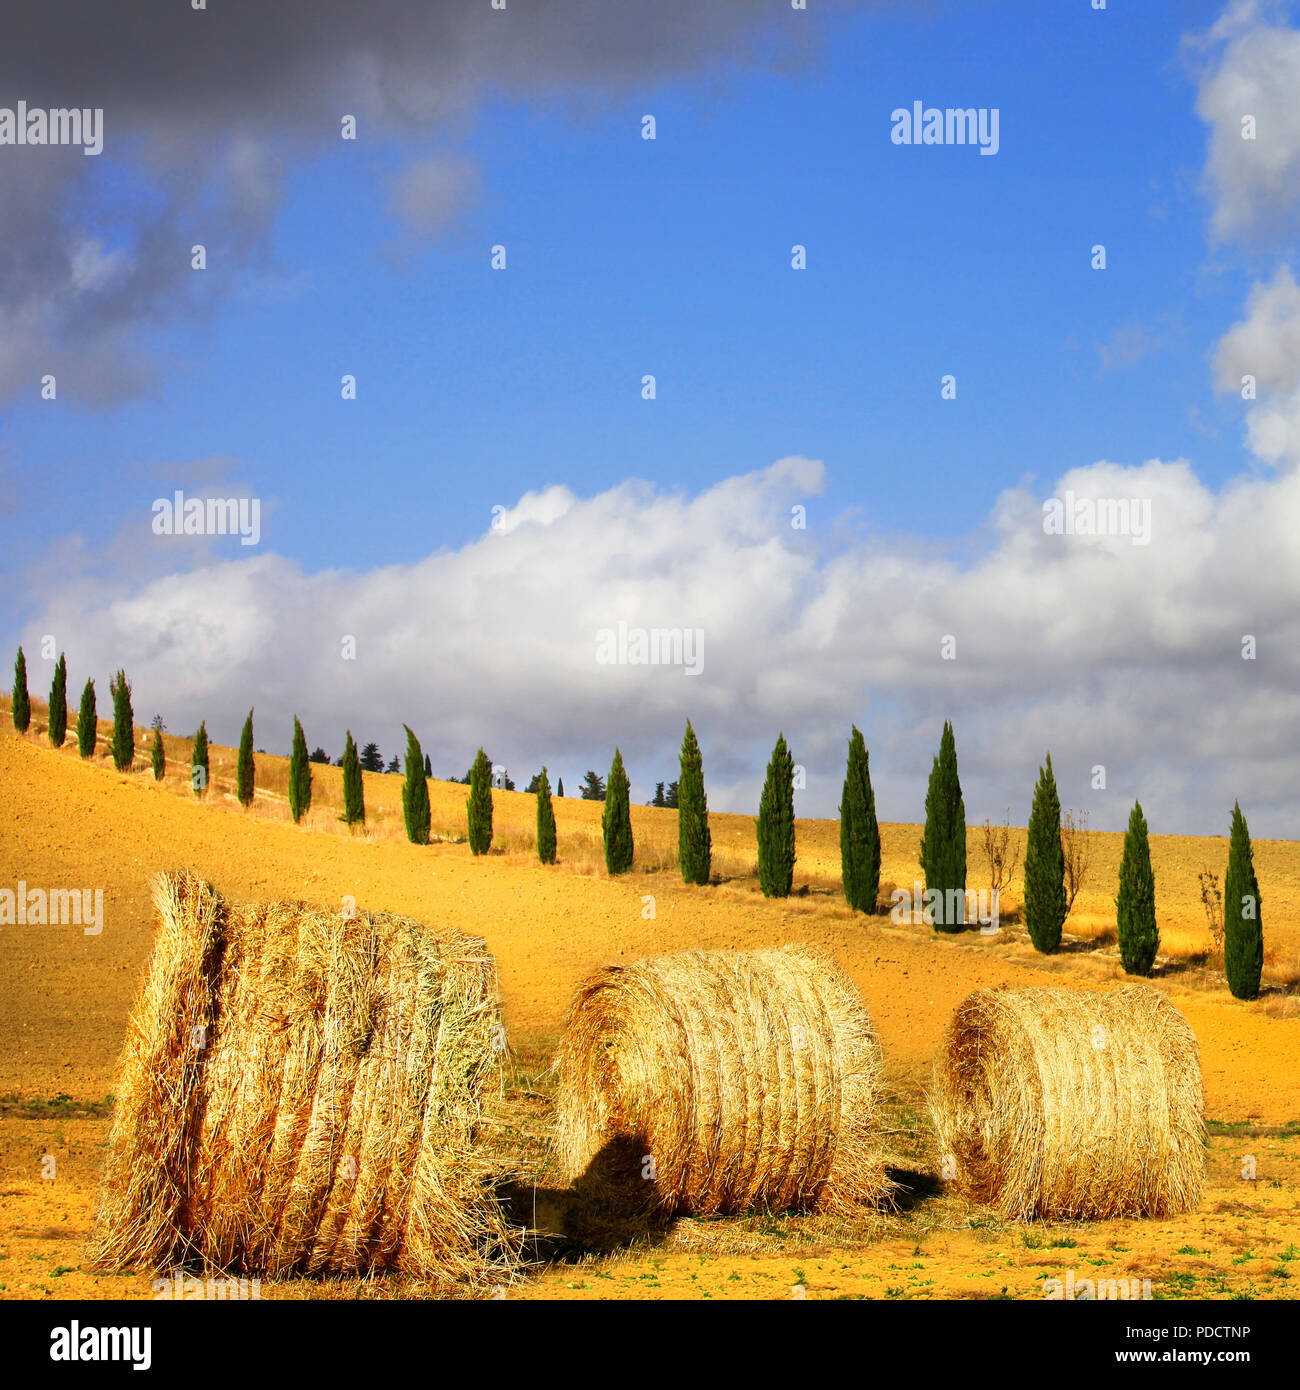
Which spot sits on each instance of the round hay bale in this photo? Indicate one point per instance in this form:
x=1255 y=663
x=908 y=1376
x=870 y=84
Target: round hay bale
x=713 y=1081
x=1072 y=1103
x=299 y=1094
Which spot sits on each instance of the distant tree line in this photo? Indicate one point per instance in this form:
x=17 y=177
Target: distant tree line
x=1055 y=861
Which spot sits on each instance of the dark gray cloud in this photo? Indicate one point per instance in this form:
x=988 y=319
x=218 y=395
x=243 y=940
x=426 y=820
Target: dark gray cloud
x=205 y=110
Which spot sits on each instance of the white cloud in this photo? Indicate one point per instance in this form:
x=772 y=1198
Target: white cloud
x=1265 y=345
x=1251 y=68
x=541 y=508
x=1103 y=651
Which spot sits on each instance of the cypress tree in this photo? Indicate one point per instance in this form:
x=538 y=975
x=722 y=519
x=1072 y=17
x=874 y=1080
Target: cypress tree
x=694 y=846
x=415 y=792
x=22 y=705
x=943 y=842
x=1243 y=926
x=158 y=756
x=776 y=824
x=354 y=800
x=244 y=768
x=123 y=722
x=59 y=703
x=478 y=805
x=616 y=819
x=87 y=722
x=545 y=820
x=1045 y=899
x=428 y=767
x=299 y=775
x=559 y=788
x=199 y=772
x=859 y=832
x=1139 y=938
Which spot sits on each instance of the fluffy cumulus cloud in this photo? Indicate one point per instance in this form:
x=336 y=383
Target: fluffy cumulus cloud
x=1250 y=74
x=1108 y=652
x=207 y=111
x=1259 y=357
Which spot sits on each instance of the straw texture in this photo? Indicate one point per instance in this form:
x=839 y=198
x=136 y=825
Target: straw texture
x=299 y=1094
x=714 y=1081
x=1072 y=1103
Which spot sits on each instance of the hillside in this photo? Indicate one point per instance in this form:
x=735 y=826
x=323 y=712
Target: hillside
x=65 y=996
x=67 y=822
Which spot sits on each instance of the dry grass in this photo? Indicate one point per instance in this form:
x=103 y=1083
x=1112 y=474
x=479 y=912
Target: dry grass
x=715 y=1081
x=1072 y=1103
x=1186 y=942
x=299 y=1094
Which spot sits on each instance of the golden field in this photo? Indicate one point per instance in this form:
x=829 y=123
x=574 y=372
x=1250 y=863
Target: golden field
x=65 y=997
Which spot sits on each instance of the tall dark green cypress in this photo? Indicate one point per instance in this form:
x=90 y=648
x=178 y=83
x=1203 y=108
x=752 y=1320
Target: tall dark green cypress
x=694 y=844
x=616 y=819
x=1139 y=938
x=59 y=703
x=354 y=798
x=158 y=756
x=415 y=792
x=299 y=775
x=859 y=832
x=1045 y=896
x=545 y=820
x=1243 y=923
x=87 y=722
x=245 y=771
x=559 y=789
x=200 y=773
x=943 y=842
x=775 y=824
x=123 y=722
x=22 y=704
x=478 y=804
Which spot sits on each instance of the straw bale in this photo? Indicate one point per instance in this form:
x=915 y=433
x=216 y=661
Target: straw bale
x=299 y=1094
x=715 y=1081
x=1072 y=1102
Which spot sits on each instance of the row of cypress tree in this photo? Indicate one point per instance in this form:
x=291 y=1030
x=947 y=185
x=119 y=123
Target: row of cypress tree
x=1045 y=899
x=122 y=742
x=694 y=850
x=693 y=836
x=943 y=841
x=859 y=830
x=246 y=769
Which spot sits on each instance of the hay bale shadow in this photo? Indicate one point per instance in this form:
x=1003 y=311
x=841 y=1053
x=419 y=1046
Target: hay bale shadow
x=912 y=1189
x=608 y=1208
x=611 y=1205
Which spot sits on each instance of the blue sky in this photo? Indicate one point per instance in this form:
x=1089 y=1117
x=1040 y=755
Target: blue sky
x=672 y=257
